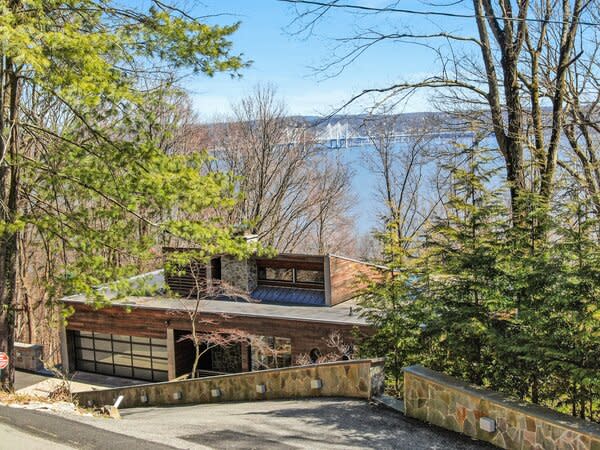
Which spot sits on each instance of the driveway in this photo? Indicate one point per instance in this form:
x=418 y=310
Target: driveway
x=316 y=423
x=25 y=379
x=41 y=385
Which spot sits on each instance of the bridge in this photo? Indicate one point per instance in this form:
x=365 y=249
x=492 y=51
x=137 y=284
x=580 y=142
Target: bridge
x=342 y=135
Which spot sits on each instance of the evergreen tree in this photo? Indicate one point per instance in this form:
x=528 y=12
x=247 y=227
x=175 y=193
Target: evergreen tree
x=465 y=294
x=571 y=344
x=75 y=169
x=510 y=306
x=390 y=305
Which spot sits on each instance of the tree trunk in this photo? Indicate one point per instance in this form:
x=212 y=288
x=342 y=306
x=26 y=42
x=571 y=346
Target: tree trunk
x=9 y=188
x=535 y=390
x=8 y=261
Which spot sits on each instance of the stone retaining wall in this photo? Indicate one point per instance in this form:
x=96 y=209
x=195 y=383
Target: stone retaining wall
x=355 y=379
x=449 y=403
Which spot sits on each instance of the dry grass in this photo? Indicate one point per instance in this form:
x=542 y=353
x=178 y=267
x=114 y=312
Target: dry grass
x=57 y=398
x=15 y=398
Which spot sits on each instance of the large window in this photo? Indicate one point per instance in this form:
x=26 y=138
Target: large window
x=309 y=276
x=272 y=352
x=275 y=274
x=122 y=356
x=291 y=276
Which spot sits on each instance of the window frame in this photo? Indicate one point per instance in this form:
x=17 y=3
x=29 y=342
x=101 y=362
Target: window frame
x=285 y=283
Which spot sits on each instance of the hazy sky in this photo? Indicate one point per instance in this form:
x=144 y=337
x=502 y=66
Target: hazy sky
x=286 y=60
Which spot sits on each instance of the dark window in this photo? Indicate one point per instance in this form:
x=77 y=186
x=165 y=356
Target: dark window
x=86 y=366
x=315 y=354
x=291 y=276
x=227 y=359
x=142 y=374
x=160 y=376
x=124 y=371
x=215 y=268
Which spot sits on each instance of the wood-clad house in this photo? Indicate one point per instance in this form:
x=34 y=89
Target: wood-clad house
x=293 y=302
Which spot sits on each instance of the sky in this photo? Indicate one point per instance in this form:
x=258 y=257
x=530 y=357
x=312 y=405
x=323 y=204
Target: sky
x=287 y=61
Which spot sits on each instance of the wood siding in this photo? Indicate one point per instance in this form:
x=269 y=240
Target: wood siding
x=189 y=279
x=347 y=277
x=290 y=261
x=304 y=335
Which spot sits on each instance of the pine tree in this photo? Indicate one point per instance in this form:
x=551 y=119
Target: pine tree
x=572 y=343
x=389 y=305
x=465 y=292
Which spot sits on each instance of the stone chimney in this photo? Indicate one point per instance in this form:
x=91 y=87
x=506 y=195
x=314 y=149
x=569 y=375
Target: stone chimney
x=240 y=274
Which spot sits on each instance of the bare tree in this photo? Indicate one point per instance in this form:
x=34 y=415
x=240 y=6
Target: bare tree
x=510 y=76
x=207 y=334
x=401 y=160
x=292 y=190
x=581 y=158
x=337 y=350
x=330 y=223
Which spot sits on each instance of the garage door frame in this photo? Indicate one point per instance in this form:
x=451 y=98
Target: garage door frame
x=136 y=358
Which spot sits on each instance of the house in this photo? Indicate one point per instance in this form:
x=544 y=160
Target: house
x=291 y=302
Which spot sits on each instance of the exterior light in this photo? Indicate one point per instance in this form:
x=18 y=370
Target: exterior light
x=316 y=384
x=487 y=424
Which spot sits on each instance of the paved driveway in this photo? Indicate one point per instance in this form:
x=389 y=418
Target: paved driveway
x=41 y=385
x=25 y=379
x=317 y=423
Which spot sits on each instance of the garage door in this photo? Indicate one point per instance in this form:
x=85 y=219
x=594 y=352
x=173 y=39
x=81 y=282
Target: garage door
x=121 y=356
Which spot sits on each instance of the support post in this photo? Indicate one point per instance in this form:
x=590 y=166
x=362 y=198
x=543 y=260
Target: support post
x=172 y=367
x=64 y=349
x=327 y=276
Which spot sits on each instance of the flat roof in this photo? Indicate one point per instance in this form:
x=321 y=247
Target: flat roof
x=344 y=314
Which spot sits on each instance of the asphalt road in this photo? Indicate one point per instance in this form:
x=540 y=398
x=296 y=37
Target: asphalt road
x=13 y=439
x=26 y=429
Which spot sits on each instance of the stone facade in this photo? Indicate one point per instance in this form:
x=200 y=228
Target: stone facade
x=239 y=274
x=338 y=379
x=449 y=403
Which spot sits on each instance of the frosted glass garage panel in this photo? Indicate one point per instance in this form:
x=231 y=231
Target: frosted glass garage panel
x=119 y=355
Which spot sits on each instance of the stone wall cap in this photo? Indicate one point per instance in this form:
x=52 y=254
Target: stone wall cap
x=540 y=412
x=377 y=361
